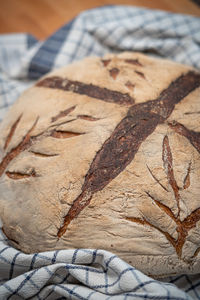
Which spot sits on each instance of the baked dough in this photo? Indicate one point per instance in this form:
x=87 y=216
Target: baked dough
x=104 y=153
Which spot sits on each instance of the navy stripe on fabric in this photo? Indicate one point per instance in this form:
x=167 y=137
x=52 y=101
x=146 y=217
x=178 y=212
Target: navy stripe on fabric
x=71 y=292
x=113 y=283
x=33 y=261
x=48 y=271
x=35 y=69
x=13 y=264
x=34 y=284
x=49 y=294
x=192 y=288
x=8 y=288
x=70 y=267
x=54 y=257
x=94 y=255
x=31 y=41
x=149 y=297
x=74 y=256
x=173 y=280
x=27 y=278
x=87 y=276
x=92 y=293
x=65 y=279
x=4 y=249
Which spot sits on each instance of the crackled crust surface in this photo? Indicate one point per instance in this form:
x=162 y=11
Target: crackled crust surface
x=104 y=153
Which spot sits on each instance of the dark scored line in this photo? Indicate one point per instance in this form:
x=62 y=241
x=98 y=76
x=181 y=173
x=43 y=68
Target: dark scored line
x=156 y=179
x=18 y=175
x=186 y=181
x=62 y=114
x=135 y=62
x=192 y=136
x=168 y=167
x=40 y=154
x=90 y=90
x=11 y=132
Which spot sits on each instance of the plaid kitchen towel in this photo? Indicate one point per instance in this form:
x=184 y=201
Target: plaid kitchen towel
x=84 y=273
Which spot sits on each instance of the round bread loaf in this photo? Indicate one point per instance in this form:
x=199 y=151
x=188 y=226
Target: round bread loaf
x=104 y=153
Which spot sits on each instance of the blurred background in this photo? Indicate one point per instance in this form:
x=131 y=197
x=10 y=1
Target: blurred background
x=43 y=17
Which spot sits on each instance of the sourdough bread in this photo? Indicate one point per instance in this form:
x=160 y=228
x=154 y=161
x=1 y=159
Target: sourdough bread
x=104 y=153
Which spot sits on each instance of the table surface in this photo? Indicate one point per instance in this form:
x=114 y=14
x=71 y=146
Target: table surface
x=42 y=17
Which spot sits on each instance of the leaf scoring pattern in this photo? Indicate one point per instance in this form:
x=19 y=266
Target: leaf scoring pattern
x=120 y=148
x=182 y=227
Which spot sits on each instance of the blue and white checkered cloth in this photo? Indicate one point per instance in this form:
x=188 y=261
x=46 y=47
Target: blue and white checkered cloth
x=83 y=273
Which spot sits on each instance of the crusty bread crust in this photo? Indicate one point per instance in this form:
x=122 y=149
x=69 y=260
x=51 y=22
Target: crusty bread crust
x=104 y=153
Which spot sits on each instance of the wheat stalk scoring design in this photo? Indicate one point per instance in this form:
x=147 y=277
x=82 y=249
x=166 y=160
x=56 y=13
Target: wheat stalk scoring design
x=182 y=227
